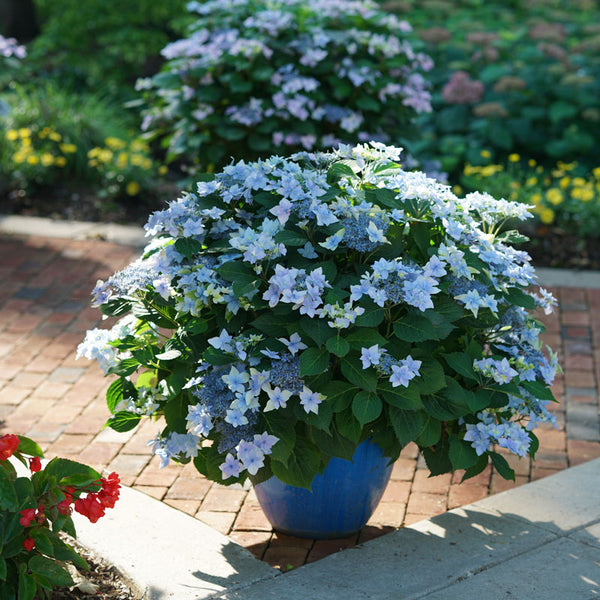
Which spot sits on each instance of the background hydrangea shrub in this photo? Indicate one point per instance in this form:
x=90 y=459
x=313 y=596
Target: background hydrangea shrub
x=292 y=308
x=255 y=78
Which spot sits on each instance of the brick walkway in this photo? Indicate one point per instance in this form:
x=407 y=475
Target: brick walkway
x=59 y=401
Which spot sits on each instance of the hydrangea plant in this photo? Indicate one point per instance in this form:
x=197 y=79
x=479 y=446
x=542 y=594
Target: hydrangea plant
x=255 y=78
x=292 y=308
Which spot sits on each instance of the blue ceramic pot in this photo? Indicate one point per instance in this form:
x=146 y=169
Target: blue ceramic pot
x=340 y=503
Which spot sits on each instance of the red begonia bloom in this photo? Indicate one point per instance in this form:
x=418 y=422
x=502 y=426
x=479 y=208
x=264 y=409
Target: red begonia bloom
x=35 y=464
x=8 y=444
x=29 y=544
x=27 y=515
x=90 y=507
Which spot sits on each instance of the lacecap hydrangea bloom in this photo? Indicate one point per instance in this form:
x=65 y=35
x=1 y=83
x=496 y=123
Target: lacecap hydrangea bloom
x=293 y=307
x=257 y=77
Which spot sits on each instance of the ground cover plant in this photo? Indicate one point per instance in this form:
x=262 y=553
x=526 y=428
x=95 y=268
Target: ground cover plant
x=292 y=308
x=253 y=79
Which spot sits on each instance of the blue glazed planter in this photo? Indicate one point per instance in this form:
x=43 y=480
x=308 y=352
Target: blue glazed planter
x=341 y=500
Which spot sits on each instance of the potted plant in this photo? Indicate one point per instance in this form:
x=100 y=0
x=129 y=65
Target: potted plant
x=295 y=308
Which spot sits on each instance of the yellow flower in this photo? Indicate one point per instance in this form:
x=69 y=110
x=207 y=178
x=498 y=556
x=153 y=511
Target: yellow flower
x=485 y=153
x=546 y=215
x=536 y=198
x=24 y=132
x=93 y=153
x=105 y=156
x=531 y=162
x=554 y=196
x=33 y=159
x=139 y=146
x=163 y=170
x=47 y=159
x=19 y=157
x=93 y=162
x=146 y=164
x=490 y=170
x=531 y=181
x=114 y=143
x=68 y=148
x=132 y=188
x=60 y=161
x=514 y=157
x=12 y=135
x=578 y=181
x=515 y=185
x=456 y=189
x=122 y=160
x=469 y=169
x=566 y=166
x=596 y=172
x=137 y=160
x=55 y=137
x=585 y=194
x=564 y=182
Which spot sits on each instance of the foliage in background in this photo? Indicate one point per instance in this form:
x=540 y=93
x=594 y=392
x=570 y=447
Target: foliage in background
x=34 y=509
x=565 y=196
x=293 y=308
x=523 y=78
x=253 y=78
x=103 y=46
x=48 y=133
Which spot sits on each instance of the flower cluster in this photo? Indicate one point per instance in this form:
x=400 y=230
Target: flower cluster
x=10 y=47
x=255 y=78
x=269 y=340
x=39 y=506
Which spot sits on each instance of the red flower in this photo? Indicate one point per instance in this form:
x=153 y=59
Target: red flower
x=8 y=444
x=35 y=464
x=90 y=507
x=64 y=506
x=27 y=515
x=29 y=544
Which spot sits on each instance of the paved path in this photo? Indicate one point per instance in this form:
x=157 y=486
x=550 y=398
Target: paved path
x=46 y=394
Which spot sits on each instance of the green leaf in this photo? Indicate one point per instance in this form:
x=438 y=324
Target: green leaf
x=63 y=467
x=520 y=298
x=314 y=361
x=478 y=467
x=214 y=356
x=2 y=569
x=338 y=345
x=51 y=570
x=320 y=420
x=431 y=376
x=387 y=198
x=372 y=317
x=42 y=541
x=354 y=373
x=366 y=407
x=301 y=467
x=437 y=458
x=441 y=408
x=338 y=171
x=176 y=411
x=29 y=447
x=535 y=388
x=118 y=390
x=348 y=426
x=291 y=238
x=8 y=497
x=271 y=324
x=280 y=423
x=332 y=443
x=447 y=308
x=27 y=586
x=407 y=424
x=407 y=398
x=461 y=363
x=462 y=454
x=235 y=270
x=115 y=308
x=316 y=329
x=534 y=444
x=459 y=396
x=125 y=367
x=431 y=434
x=365 y=337
x=188 y=247
x=123 y=421
x=339 y=394
x=501 y=465
x=419 y=328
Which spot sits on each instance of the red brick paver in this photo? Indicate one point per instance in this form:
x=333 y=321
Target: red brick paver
x=59 y=401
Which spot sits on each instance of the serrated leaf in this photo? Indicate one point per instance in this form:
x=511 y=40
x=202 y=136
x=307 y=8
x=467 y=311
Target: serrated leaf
x=431 y=376
x=217 y=357
x=125 y=367
x=118 y=390
x=271 y=324
x=115 y=308
x=520 y=298
x=188 y=247
x=291 y=238
x=462 y=454
x=314 y=361
x=501 y=465
x=431 y=434
x=478 y=467
x=407 y=424
x=301 y=466
x=338 y=345
x=236 y=271
x=441 y=408
x=123 y=421
x=372 y=317
x=338 y=171
x=461 y=363
x=537 y=390
x=281 y=425
x=339 y=394
x=437 y=459
x=365 y=337
x=366 y=407
x=332 y=443
x=348 y=426
x=407 y=398
x=354 y=373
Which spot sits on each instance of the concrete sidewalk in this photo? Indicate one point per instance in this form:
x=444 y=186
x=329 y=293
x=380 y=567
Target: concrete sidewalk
x=47 y=270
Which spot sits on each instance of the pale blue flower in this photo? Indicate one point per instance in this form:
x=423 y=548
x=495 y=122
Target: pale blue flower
x=310 y=400
x=231 y=467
